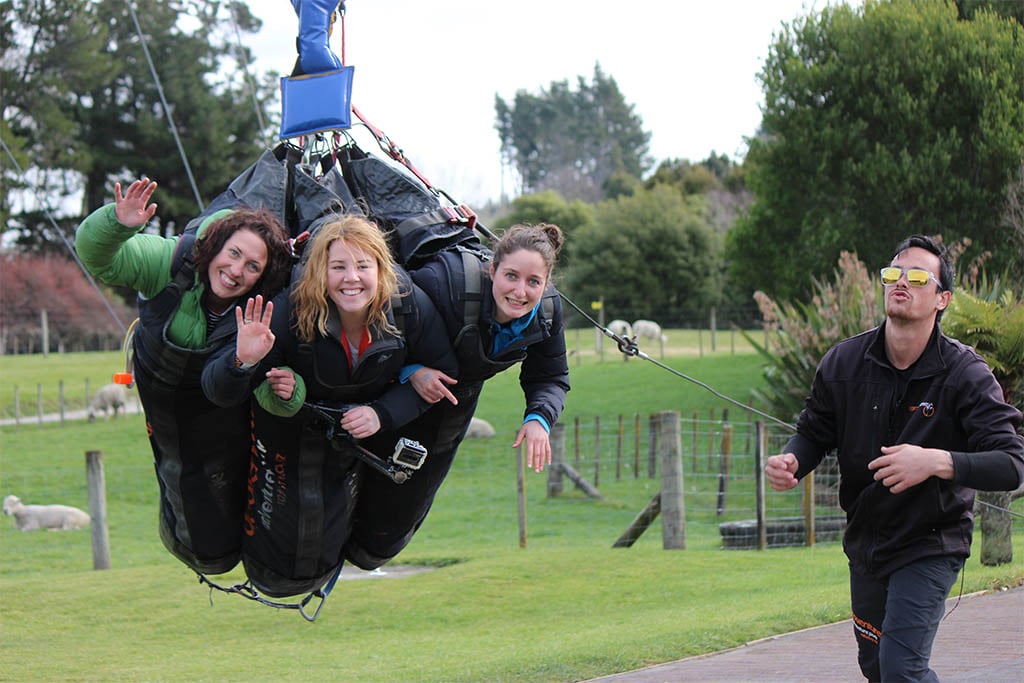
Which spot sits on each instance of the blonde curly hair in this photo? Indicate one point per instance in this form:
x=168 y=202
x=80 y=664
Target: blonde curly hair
x=309 y=296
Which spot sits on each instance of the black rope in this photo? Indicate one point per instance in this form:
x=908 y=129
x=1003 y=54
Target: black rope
x=629 y=347
x=167 y=108
x=249 y=85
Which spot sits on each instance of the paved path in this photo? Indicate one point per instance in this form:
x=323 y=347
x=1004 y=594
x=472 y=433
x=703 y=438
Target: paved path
x=981 y=641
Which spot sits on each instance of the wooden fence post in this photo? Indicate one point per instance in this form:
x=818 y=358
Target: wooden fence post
x=809 y=533
x=696 y=439
x=636 y=445
x=576 y=441
x=597 y=450
x=39 y=403
x=652 y=446
x=714 y=328
x=521 y=495
x=640 y=523
x=711 y=437
x=724 y=463
x=60 y=399
x=620 y=432
x=98 y=509
x=760 y=448
x=555 y=483
x=673 y=509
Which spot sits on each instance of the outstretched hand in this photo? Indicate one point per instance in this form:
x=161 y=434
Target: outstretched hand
x=254 y=339
x=133 y=208
x=431 y=385
x=538 y=445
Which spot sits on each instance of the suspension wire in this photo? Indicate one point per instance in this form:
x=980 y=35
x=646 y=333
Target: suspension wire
x=250 y=87
x=167 y=108
x=67 y=244
x=630 y=348
x=998 y=508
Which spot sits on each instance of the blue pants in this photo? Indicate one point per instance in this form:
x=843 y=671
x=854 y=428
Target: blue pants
x=895 y=619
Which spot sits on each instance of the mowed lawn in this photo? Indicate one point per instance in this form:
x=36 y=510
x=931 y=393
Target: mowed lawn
x=563 y=606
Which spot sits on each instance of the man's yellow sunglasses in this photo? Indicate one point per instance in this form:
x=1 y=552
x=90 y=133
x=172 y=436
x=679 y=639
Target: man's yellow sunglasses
x=915 y=276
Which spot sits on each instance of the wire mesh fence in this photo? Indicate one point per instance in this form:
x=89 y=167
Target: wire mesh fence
x=617 y=458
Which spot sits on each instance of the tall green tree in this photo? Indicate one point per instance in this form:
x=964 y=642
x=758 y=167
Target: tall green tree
x=48 y=48
x=572 y=140
x=649 y=255
x=86 y=108
x=890 y=119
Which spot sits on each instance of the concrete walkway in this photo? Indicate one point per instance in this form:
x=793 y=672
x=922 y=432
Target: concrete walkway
x=982 y=641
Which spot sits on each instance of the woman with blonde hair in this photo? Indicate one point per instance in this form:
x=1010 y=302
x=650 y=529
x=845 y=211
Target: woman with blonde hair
x=332 y=345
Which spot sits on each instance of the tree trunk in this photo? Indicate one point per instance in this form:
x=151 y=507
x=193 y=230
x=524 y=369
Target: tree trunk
x=996 y=537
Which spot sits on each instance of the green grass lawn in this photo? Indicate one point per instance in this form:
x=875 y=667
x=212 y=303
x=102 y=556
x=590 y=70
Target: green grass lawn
x=565 y=607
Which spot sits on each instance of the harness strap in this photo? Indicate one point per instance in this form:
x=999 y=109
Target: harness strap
x=399 y=309
x=311 y=502
x=183 y=262
x=444 y=214
x=248 y=591
x=471 y=269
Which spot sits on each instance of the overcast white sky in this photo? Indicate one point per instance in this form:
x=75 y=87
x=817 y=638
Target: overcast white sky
x=427 y=72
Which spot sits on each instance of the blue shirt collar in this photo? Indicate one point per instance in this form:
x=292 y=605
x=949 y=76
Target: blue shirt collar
x=506 y=333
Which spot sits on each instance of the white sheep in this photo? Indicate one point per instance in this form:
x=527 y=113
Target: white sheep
x=108 y=397
x=479 y=429
x=621 y=328
x=32 y=517
x=648 y=329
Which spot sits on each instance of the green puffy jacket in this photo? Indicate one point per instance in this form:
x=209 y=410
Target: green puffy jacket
x=118 y=255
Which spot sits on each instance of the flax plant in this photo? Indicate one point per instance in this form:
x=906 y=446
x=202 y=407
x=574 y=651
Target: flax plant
x=798 y=333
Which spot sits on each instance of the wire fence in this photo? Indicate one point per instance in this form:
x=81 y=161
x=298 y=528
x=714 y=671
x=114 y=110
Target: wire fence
x=618 y=458
x=614 y=459
x=617 y=470
x=39 y=404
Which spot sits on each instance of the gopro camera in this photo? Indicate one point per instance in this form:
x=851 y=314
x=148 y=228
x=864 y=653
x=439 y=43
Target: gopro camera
x=409 y=454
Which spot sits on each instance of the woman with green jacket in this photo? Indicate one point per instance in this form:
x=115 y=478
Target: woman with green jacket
x=188 y=288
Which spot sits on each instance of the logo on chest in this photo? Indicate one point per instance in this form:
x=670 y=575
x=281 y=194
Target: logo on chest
x=925 y=408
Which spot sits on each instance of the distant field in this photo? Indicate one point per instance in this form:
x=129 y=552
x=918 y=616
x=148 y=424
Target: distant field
x=37 y=380
x=558 y=603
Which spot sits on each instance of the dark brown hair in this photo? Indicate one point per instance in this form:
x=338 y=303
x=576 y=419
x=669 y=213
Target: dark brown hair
x=265 y=225
x=546 y=239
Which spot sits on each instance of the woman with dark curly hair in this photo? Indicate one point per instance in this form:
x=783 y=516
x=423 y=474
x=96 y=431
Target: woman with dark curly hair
x=188 y=288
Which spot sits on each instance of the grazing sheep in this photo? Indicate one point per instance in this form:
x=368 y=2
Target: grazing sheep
x=620 y=328
x=648 y=329
x=108 y=397
x=32 y=517
x=479 y=429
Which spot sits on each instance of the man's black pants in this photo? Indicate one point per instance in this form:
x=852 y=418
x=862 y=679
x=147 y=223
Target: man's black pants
x=895 y=619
